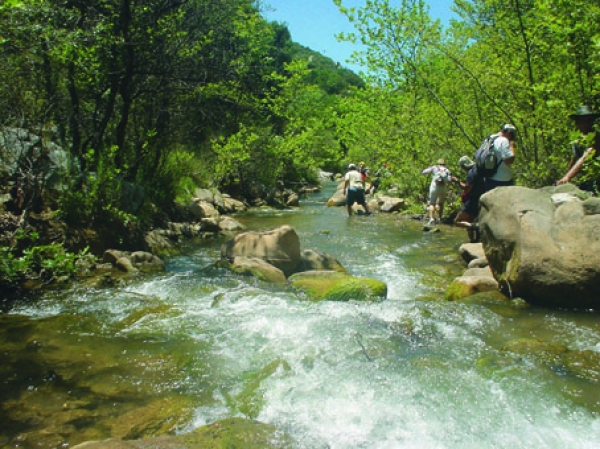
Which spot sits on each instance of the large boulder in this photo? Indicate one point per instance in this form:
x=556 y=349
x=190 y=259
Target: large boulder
x=280 y=247
x=544 y=245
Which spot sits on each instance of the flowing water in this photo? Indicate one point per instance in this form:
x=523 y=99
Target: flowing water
x=199 y=344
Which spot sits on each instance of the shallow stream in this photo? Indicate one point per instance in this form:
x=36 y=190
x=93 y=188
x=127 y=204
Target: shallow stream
x=198 y=344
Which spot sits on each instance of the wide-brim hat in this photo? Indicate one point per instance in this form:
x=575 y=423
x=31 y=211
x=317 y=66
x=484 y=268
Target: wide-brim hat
x=584 y=111
x=352 y=166
x=441 y=162
x=466 y=162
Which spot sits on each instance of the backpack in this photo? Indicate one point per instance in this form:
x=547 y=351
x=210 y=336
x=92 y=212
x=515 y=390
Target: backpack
x=441 y=176
x=486 y=161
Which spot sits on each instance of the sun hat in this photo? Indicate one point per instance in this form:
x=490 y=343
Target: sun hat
x=352 y=166
x=441 y=162
x=464 y=161
x=583 y=111
x=508 y=127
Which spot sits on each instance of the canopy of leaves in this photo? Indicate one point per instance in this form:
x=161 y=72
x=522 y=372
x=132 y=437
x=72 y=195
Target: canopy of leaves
x=133 y=87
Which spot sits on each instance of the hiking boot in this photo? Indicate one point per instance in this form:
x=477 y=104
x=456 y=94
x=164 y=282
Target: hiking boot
x=431 y=222
x=476 y=233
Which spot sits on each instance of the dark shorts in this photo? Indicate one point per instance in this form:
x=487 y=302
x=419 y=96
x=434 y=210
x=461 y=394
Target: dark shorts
x=355 y=196
x=471 y=207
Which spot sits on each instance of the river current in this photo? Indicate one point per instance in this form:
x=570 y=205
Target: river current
x=413 y=371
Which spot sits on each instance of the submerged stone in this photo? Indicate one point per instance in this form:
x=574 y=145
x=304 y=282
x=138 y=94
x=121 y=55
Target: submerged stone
x=584 y=364
x=227 y=433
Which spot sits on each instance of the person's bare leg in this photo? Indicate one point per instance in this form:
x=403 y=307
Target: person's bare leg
x=441 y=210
x=465 y=221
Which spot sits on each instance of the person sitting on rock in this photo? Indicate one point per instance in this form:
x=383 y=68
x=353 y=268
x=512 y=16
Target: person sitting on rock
x=473 y=188
x=354 y=189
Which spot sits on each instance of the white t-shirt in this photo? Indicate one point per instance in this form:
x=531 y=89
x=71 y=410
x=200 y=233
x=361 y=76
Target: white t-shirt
x=354 y=179
x=503 y=151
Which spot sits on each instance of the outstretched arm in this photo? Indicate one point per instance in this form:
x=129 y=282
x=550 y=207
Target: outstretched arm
x=576 y=168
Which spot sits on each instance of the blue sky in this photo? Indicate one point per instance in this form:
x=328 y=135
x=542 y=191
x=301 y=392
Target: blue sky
x=314 y=23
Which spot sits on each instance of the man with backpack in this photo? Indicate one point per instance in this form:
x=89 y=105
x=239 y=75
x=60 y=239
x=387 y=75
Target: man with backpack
x=495 y=157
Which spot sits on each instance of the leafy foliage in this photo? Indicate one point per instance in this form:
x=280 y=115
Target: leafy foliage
x=24 y=260
x=173 y=95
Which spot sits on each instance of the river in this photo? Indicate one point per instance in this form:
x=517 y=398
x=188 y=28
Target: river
x=199 y=344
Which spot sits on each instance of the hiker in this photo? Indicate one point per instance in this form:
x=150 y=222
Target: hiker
x=437 y=189
x=504 y=149
x=364 y=171
x=383 y=171
x=473 y=188
x=584 y=121
x=354 y=185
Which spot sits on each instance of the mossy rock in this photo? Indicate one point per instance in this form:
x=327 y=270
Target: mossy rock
x=336 y=286
x=159 y=417
x=465 y=286
x=232 y=433
x=486 y=298
x=548 y=353
x=525 y=346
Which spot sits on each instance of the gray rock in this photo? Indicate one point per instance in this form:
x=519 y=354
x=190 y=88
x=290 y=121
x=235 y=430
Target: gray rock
x=471 y=251
x=201 y=209
x=254 y=266
x=545 y=251
x=229 y=224
x=280 y=247
x=314 y=260
x=204 y=195
x=478 y=263
x=390 y=204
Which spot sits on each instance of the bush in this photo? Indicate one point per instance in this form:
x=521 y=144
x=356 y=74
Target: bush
x=45 y=263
